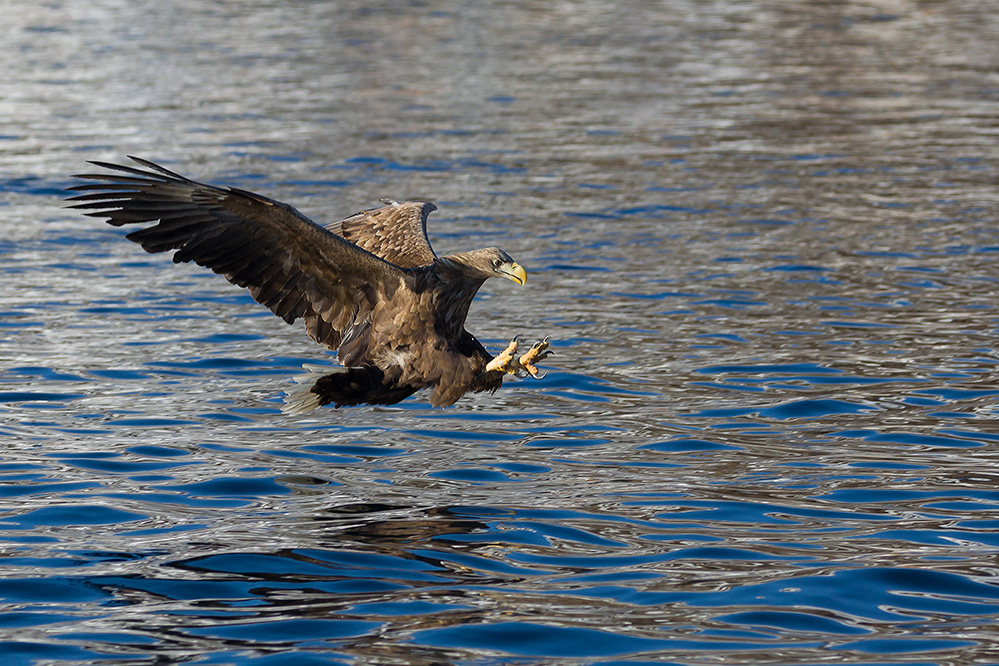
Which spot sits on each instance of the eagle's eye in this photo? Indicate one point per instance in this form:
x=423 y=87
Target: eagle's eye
x=497 y=263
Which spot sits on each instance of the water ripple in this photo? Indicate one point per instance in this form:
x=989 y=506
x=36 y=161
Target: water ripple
x=761 y=237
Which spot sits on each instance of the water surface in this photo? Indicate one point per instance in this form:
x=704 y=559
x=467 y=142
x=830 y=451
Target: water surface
x=761 y=235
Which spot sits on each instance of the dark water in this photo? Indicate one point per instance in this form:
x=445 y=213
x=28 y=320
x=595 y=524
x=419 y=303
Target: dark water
x=762 y=235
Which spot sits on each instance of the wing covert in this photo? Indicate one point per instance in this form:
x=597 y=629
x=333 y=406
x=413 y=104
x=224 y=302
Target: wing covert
x=396 y=232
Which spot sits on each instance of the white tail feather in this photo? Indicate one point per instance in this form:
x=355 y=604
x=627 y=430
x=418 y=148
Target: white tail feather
x=300 y=399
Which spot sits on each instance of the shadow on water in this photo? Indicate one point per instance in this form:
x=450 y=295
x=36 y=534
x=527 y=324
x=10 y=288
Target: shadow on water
x=761 y=237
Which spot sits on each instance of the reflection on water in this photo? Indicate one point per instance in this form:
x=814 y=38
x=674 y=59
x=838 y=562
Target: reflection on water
x=761 y=235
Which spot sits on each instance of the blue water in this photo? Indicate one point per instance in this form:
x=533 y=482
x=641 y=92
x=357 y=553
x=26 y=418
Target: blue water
x=762 y=237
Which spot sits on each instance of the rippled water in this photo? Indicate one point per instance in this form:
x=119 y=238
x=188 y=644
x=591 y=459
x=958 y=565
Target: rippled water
x=762 y=235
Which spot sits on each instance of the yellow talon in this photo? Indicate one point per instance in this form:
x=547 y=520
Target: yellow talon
x=535 y=354
x=504 y=360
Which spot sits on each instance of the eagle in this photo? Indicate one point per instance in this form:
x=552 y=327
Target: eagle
x=369 y=287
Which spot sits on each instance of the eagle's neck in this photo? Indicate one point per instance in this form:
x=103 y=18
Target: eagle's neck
x=458 y=286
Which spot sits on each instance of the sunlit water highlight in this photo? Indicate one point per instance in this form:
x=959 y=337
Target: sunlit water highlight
x=762 y=237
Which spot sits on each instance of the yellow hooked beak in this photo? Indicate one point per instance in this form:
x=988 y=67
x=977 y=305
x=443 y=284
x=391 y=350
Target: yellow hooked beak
x=513 y=271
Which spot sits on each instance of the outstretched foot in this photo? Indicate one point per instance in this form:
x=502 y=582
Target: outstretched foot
x=504 y=359
x=507 y=362
x=535 y=354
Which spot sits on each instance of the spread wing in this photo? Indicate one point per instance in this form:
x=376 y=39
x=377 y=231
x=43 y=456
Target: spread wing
x=396 y=232
x=289 y=263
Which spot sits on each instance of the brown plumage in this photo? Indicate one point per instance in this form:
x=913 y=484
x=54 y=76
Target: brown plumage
x=369 y=287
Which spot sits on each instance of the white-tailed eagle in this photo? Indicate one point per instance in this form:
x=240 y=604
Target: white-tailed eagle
x=369 y=287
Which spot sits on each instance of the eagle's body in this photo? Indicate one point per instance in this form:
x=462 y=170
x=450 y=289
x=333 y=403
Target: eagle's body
x=369 y=287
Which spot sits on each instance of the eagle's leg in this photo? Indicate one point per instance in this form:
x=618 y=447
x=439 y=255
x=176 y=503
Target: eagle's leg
x=504 y=360
x=535 y=354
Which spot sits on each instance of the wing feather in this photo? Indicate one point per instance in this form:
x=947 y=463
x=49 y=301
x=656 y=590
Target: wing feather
x=396 y=232
x=296 y=268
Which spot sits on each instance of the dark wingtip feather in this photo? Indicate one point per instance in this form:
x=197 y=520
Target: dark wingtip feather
x=163 y=174
x=123 y=187
x=157 y=167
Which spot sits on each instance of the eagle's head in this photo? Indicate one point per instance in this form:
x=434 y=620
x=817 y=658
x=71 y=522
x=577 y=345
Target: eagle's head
x=490 y=262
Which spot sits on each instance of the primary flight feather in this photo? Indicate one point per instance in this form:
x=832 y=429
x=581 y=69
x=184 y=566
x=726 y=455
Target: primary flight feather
x=369 y=287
